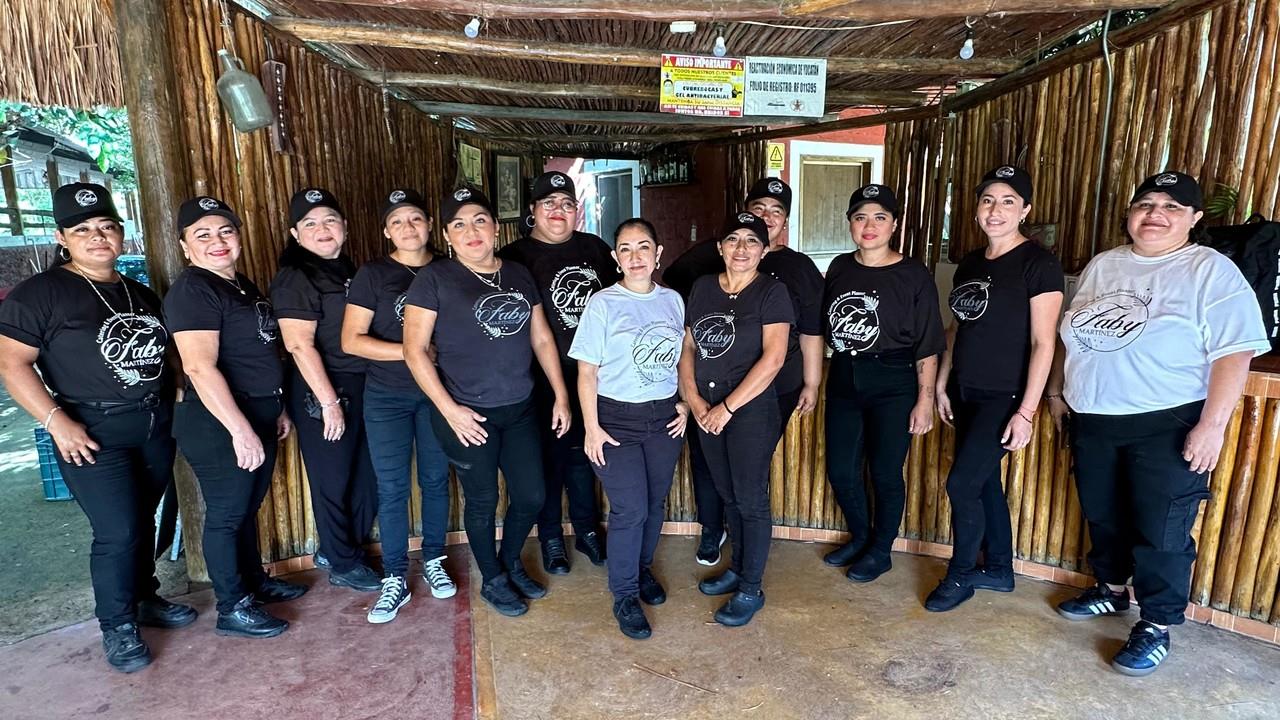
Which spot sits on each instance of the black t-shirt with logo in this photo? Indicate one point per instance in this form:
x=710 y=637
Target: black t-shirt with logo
x=482 y=331
x=296 y=297
x=991 y=303
x=380 y=285
x=89 y=353
x=567 y=274
x=804 y=284
x=728 y=330
x=882 y=309
x=248 y=334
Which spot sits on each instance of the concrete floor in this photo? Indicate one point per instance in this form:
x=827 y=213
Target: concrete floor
x=826 y=648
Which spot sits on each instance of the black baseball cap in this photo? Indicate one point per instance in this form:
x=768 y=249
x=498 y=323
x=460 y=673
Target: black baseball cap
x=747 y=221
x=549 y=183
x=308 y=199
x=771 y=187
x=1179 y=186
x=881 y=195
x=461 y=197
x=403 y=197
x=190 y=212
x=77 y=202
x=1014 y=177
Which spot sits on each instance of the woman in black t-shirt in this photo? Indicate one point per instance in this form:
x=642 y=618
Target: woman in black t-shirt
x=882 y=321
x=97 y=339
x=737 y=325
x=1006 y=300
x=486 y=322
x=326 y=385
x=231 y=419
x=397 y=414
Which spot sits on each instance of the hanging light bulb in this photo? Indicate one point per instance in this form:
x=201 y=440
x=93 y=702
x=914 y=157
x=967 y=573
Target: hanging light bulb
x=472 y=29
x=966 y=50
x=720 y=48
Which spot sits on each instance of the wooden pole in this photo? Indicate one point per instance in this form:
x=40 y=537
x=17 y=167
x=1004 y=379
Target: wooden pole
x=590 y=117
x=10 y=182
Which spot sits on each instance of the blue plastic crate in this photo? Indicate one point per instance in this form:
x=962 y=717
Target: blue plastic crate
x=50 y=473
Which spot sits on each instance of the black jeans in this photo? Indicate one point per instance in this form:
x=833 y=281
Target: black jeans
x=739 y=458
x=1140 y=499
x=637 y=476
x=869 y=402
x=344 y=488
x=979 y=510
x=565 y=468
x=232 y=496
x=512 y=446
x=119 y=493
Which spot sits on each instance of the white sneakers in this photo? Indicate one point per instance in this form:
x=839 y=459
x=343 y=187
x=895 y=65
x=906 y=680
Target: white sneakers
x=395 y=592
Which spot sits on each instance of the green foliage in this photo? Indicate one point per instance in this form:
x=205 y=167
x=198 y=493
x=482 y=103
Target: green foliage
x=1223 y=202
x=104 y=131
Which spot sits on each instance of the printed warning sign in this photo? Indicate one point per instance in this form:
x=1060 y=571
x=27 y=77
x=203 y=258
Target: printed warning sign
x=777 y=155
x=786 y=86
x=698 y=85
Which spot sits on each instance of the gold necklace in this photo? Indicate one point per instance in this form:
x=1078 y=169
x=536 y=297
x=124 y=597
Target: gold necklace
x=115 y=314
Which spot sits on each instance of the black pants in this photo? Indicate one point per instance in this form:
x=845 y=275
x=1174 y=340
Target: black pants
x=869 y=402
x=637 y=476
x=232 y=496
x=344 y=487
x=739 y=458
x=119 y=493
x=565 y=468
x=512 y=446
x=979 y=510
x=1140 y=499
x=710 y=507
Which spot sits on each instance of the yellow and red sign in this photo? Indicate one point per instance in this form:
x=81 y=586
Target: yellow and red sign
x=698 y=85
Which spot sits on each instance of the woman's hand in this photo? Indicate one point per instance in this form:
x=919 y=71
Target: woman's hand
x=808 y=400
x=716 y=418
x=594 y=442
x=466 y=425
x=944 y=405
x=699 y=409
x=677 y=426
x=284 y=426
x=921 y=420
x=334 y=422
x=1017 y=433
x=71 y=439
x=1059 y=411
x=248 y=447
x=561 y=417
x=1203 y=446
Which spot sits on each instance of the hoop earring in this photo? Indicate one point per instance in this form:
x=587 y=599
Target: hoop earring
x=657 y=264
x=63 y=253
x=619 y=269
x=528 y=221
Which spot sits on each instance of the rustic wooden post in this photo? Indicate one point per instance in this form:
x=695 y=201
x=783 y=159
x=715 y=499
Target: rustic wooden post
x=150 y=94
x=10 y=181
x=51 y=174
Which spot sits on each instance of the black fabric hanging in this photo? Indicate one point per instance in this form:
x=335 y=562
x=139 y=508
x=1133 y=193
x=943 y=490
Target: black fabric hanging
x=1255 y=248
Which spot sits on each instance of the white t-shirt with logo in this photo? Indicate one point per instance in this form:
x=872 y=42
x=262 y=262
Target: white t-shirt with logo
x=635 y=340
x=1142 y=332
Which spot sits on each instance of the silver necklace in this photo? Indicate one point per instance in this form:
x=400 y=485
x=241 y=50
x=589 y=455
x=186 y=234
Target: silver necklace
x=114 y=313
x=495 y=283
x=234 y=282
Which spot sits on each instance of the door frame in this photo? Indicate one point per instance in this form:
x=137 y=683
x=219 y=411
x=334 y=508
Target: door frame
x=801 y=148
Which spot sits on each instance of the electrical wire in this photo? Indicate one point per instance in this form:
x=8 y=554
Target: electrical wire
x=843 y=28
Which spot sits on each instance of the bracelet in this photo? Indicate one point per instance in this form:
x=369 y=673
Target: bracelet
x=1024 y=417
x=1053 y=396
x=48 y=418
x=728 y=409
x=327 y=405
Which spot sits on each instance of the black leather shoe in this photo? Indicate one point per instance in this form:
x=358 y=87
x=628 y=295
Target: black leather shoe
x=360 y=577
x=990 y=577
x=631 y=619
x=528 y=588
x=843 y=555
x=721 y=584
x=740 y=608
x=554 y=560
x=274 y=590
x=160 y=613
x=248 y=619
x=502 y=597
x=950 y=593
x=125 y=649
x=868 y=567
x=591 y=545
x=651 y=591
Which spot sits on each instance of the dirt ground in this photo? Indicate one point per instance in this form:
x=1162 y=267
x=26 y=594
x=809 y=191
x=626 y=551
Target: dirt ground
x=44 y=578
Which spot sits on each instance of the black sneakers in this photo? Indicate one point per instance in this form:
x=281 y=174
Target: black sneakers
x=274 y=590
x=528 y=588
x=868 y=567
x=124 y=648
x=361 y=577
x=843 y=555
x=1146 y=648
x=721 y=584
x=502 y=597
x=709 y=547
x=989 y=577
x=554 y=560
x=1097 y=601
x=950 y=593
x=651 y=591
x=395 y=595
x=742 y=606
x=591 y=545
x=248 y=619
x=160 y=613
x=631 y=619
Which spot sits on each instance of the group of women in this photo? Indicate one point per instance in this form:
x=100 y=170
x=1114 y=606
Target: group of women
x=559 y=359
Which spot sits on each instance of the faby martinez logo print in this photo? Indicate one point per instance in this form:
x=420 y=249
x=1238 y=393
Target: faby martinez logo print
x=855 y=324
x=501 y=314
x=656 y=351
x=85 y=198
x=969 y=300
x=207 y=203
x=571 y=288
x=314 y=196
x=1110 y=322
x=267 y=325
x=133 y=347
x=714 y=335
x=400 y=307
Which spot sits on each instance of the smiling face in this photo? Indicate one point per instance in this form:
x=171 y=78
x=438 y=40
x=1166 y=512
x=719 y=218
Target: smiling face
x=773 y=214
x=871 y=226
x=321 y=231
x=741 y=251
x=636 y=253
x=1158 y=223
x=212 y=243
x=93 y=243
x=407 y=228
x=1000 y=211
x=471 y=234
x=555 y=217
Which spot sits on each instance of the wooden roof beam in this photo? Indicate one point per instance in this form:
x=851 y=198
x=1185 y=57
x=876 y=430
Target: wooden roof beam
x=600 y=117
x=338 y=32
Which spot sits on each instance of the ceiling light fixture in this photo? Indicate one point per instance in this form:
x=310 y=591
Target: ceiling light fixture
x=683 y=26
x=472 y=29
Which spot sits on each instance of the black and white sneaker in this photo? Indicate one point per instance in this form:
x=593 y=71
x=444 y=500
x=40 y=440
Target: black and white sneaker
x=395 y=595
x=709 y=547
x=442 y=586
x=1146 y=648
x=1095 y=602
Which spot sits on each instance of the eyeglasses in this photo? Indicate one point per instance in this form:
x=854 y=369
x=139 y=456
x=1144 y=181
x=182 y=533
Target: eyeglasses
x=550 y=204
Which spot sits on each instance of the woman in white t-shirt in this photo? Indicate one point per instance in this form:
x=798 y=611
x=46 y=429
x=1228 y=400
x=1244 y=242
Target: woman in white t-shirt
x=628 y=348
x=1155 y=349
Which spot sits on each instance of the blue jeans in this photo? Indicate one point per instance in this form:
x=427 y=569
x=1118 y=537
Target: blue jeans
x=397 y=420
